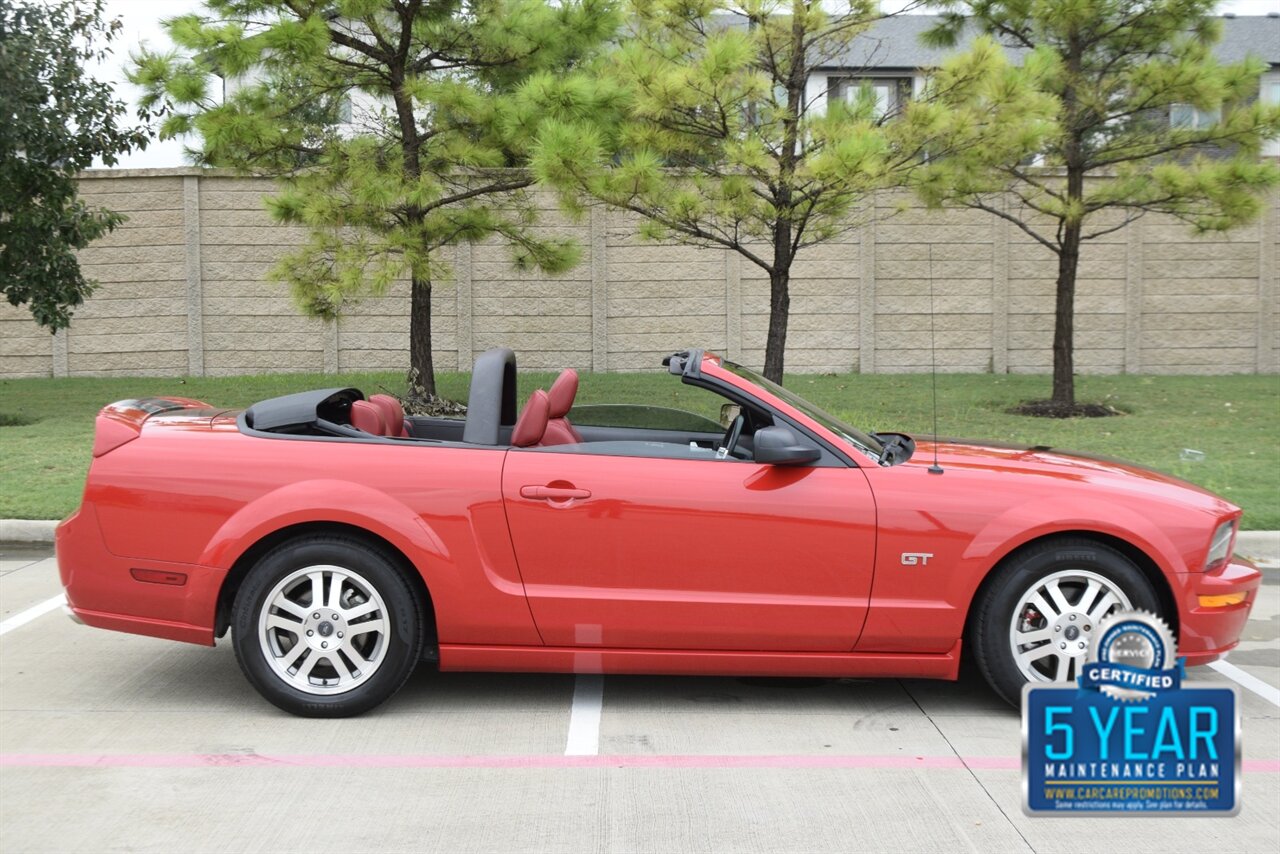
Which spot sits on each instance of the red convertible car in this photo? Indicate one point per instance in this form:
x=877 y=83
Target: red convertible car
x=342 y=543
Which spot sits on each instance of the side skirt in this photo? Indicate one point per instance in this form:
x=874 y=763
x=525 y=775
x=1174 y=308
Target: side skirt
x=540 y=659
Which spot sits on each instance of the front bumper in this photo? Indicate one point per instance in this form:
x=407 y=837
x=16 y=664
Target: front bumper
x=1208 y=630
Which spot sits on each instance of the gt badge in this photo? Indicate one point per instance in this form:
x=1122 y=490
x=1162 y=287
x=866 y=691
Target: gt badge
x=916 y=558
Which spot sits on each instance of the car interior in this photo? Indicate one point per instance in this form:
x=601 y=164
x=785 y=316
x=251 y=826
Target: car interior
x=546 y=422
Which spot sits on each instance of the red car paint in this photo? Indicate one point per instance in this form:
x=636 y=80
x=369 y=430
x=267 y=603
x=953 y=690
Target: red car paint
x=668 y=566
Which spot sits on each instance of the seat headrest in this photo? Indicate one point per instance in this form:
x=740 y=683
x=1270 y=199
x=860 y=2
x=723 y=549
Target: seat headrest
x=562 y=393
x=392 y=413
x=532 y=422
x=367 y=417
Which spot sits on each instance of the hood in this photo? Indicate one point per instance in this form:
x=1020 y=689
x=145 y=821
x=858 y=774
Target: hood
x=1075 y=466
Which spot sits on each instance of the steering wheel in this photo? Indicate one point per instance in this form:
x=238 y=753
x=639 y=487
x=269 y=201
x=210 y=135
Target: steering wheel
x=731 y=437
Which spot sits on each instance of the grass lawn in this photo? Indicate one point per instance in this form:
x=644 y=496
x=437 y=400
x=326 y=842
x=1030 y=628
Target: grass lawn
x=46 y=425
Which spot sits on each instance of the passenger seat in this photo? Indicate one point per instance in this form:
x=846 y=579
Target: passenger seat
x=560 y=400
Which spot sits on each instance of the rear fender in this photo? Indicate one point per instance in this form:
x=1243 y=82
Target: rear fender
x=313 y=501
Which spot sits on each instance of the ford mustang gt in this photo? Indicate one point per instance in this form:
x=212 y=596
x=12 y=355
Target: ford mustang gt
x=747 y=532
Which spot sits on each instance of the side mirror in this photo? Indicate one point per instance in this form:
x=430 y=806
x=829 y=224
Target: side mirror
x=779 y=446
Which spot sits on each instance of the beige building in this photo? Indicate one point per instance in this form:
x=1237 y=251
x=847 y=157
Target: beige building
x=183 y=290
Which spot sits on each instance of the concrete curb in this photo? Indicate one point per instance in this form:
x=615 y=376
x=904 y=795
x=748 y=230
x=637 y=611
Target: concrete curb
x=27 y=531
x=1262 y=547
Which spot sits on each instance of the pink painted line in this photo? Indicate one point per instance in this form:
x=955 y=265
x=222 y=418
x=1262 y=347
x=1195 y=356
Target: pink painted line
x=356 y=760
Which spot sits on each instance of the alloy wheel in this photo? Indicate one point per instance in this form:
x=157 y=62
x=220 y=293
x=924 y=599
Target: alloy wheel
x=1055 y=620
x=324 y=629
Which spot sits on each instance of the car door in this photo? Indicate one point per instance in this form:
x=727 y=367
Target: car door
x=698 y=553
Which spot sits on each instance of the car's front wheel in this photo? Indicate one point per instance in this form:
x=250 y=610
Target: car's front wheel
x=1040 y=613
x=326 y=627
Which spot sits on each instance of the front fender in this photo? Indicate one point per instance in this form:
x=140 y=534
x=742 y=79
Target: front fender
x=923 y=606
x=1032 y=520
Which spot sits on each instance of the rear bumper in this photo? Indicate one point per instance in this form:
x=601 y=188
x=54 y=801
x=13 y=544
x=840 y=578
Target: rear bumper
x=1209 y=631
x=103 y=592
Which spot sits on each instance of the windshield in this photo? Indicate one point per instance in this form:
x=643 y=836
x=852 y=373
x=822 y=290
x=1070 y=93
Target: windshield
x=858 y=440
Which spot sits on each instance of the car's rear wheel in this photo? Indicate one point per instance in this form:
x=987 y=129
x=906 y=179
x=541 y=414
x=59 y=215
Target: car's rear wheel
x=326 y=627
x=1039 y=615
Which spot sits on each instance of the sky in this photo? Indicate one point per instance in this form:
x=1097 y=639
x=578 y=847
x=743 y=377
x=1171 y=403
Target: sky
x=141 y=20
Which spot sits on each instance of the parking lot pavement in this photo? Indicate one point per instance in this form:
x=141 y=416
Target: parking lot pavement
x=113 y=742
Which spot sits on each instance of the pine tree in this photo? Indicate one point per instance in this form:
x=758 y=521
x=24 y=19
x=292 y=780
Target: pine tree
x=704 y=122
x=431 y=155
x=1118 y=71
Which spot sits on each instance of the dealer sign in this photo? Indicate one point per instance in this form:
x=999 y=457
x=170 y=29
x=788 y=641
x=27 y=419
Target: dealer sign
x=1131 y=738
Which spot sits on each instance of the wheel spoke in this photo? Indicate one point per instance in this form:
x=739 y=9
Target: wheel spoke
x=361 y=610
x=335 y=591
x=304 y=672
x=317 y=589
x=1033 y=636
x=1046 y=610
x=1061 y=605
x=1063 y=668
x=275 y=621
x=286 y=661
x=356 y=658
x=367 y=626
x=1108 y=601
x=289 y=607
x=1087 y=597
x=344 y=672
x=1030 y=655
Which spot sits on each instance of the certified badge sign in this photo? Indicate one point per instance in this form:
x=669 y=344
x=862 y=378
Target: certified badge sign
x=1131 y=737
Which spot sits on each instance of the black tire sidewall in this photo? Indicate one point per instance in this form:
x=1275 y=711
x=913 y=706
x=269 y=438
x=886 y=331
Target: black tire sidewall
x=403 y=643
x=991 y=628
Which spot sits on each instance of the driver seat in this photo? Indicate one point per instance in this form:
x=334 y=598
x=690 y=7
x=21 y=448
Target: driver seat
x=560 y=400
x=532 y=423
x=392 y=415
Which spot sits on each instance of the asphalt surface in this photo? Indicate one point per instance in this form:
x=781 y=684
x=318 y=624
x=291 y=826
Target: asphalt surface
x=110 y=742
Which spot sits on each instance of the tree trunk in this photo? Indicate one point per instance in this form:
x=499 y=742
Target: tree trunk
x=1064 y=371
x=775 y=347
x=1064 y=368
x=420 y=362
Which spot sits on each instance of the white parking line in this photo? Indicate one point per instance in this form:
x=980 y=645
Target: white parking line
x=1247 y=680
x=23 y=617
x=584 y=717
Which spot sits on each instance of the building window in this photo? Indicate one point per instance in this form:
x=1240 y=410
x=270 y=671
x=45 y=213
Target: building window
x=1187 y=117
x=1270 y=94
x=890 y=93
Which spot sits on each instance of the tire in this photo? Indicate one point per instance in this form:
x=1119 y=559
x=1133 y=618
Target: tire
x=334 y=661
x=1019 y=628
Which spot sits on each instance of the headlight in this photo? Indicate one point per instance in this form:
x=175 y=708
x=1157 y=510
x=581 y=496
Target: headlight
x=1220 y=546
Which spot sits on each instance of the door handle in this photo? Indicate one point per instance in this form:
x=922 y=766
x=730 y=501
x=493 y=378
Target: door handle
x=553 y=493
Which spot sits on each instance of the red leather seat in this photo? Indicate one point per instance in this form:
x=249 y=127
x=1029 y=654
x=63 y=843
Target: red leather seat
x=532 y=423
x=392 y=415
x=560 y=400
x=367 y=417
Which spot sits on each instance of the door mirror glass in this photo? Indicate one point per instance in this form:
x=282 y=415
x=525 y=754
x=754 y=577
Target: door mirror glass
x=780 y=446
x=729 y=412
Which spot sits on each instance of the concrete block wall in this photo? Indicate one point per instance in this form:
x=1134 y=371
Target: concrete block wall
x=184 y=290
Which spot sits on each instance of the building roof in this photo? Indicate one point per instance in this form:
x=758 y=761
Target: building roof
x=895 y=43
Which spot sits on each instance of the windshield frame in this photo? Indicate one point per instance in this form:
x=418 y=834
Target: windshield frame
x=863 y=443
